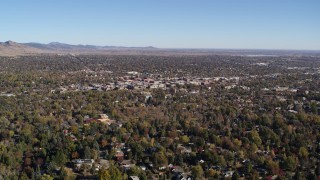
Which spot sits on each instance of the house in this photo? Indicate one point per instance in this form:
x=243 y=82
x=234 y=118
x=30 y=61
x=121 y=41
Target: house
x=182 y=176
x=302 y=91
x=134 y=178
x=103 y=164
x=80 y=163
x=126 y=165
x=119 y=155
x=184 y=150
x=133 y=73
x=177 y=169
x=105 y=119
x=142 y=166
x=228 y=174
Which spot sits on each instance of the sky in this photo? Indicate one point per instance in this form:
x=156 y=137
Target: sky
x=232 y=24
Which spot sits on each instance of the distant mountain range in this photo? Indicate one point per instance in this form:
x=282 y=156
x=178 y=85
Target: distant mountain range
x=62 y=46
x=10 y=48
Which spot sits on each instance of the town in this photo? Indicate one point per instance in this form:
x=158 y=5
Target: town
x=159 y=117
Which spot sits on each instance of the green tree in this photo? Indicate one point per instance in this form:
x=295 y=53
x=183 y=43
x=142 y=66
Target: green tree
x=314 y=108
x=104 y=175
x=160 y=159
x=249 y=168
x=46 y=177
x=303 y=153
x=197 y=171
x=254 y=136
x=60 y=158
x=290 y=163
x=184 y=139
x=24 y=176
x=113 y=173
x=87 y=152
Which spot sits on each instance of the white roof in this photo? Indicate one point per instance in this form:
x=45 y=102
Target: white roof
x=134 y=177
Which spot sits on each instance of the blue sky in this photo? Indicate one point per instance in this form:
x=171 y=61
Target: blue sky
x=245 y=24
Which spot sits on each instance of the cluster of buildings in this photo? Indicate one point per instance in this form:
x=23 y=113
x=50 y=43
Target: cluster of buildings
x=134 y=80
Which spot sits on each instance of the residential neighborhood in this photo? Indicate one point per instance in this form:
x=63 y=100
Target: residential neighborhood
x=160 y=117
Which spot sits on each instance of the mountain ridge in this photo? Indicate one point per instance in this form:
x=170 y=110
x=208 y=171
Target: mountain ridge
x=11 y=48
x=72 y=46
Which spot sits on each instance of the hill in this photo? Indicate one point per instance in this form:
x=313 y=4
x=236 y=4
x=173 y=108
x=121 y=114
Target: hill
x=10 y=48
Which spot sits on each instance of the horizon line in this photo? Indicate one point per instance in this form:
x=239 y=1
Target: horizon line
x=167 y=48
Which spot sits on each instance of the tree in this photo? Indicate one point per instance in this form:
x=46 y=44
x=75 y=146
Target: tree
x=318 y=170
x=135 y=171
x=96 y=145
x=63 y=174
x=254 y=136
x=303 y=153
x=46 y=177
x=254 y=176
x=184 y=139
x=290 y=163
x=113 y=173
x=60 y=158
x=311 y=176
x=299 y=176
x=51 y=167
x=249 y=168
x=87 y=153
x=272 y=166
x=38 y=172
x=314 y=108
x=74 y=155
x=211 y=173
x=24 y=176
x=197 y=171
x=237 y=142
x=104 y=143
x=160 y=159
x=104 y=175
x=235 y=175
x=253 y=148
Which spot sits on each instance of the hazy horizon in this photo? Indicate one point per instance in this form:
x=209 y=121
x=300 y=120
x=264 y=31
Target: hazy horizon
x=262 y=25
x=164 y=47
